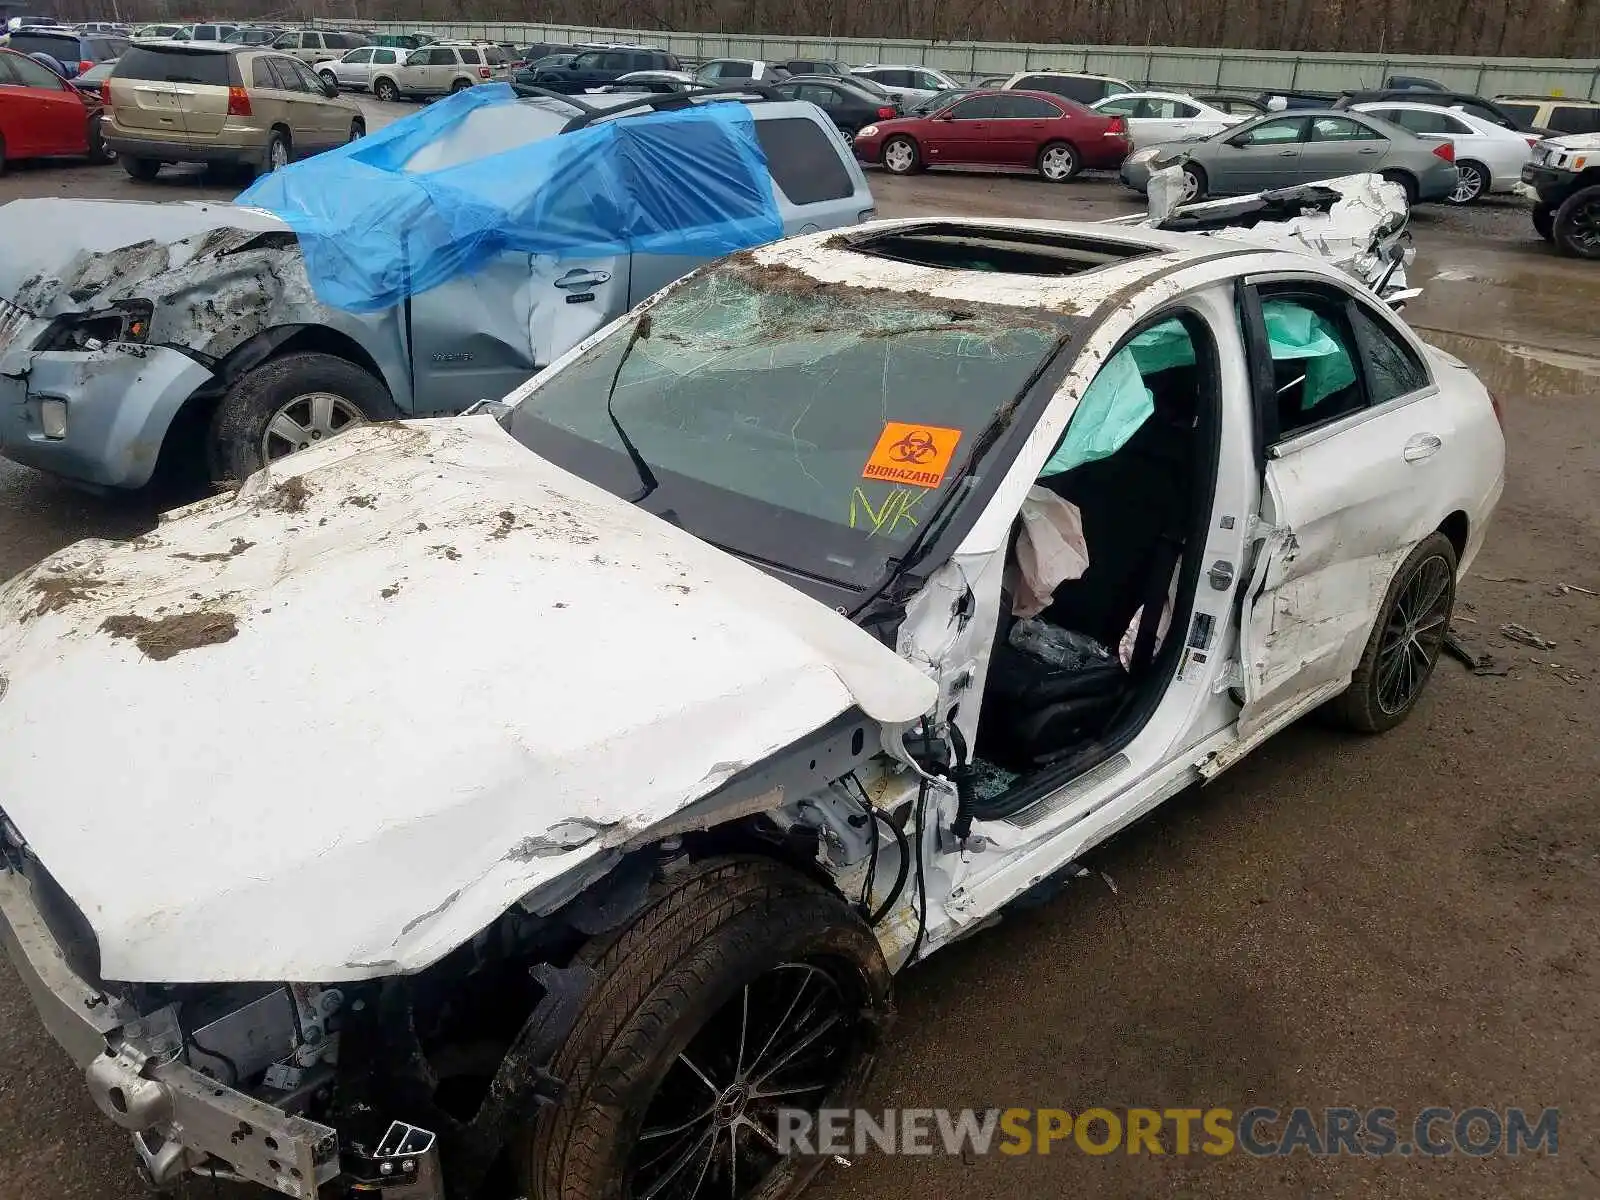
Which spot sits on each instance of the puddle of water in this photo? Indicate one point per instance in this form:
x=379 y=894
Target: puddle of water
x=1510 y=370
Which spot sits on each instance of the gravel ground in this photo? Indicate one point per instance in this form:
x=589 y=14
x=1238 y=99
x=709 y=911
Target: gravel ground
x=1405 y=920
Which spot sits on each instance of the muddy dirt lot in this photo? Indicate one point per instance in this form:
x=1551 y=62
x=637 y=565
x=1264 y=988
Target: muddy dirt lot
x=1404 y=921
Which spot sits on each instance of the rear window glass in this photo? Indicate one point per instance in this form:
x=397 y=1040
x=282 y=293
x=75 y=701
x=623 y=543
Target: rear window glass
x=1569 y=118
x=59 y=47
x=803 y=160
x=172 y=65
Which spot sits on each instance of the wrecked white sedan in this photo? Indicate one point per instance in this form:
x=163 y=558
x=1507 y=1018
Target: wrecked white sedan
x=554 y=791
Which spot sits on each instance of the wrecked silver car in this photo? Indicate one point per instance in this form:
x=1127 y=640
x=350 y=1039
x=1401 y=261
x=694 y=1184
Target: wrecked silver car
x=229 y=336
x=786 y=631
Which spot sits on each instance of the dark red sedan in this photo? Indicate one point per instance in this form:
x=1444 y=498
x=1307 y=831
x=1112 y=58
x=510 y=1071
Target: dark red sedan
x=44 y=116
x=1049 y=134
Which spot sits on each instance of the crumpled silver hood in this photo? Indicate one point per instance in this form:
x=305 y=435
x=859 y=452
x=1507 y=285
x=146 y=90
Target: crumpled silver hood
x=58 y=255
x=331 y=727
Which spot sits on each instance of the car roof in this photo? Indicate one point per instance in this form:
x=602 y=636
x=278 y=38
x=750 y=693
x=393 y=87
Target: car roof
x=1130 y=257
x=495 y=128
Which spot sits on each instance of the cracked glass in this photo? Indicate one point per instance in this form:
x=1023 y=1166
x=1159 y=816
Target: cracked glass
x=813 y=425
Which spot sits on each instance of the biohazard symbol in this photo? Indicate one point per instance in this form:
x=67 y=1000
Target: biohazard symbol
x=917 y=455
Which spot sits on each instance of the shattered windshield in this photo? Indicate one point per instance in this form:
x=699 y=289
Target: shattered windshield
x=813 y=426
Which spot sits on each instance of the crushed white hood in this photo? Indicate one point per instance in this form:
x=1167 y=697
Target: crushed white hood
x=395 y=687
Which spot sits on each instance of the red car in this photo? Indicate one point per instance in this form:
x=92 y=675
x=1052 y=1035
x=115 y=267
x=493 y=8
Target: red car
x=44 y=116
x=1046 y=133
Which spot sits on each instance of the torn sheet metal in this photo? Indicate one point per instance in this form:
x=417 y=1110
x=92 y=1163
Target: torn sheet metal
x=684 y=182
x=381 y=694
x=1349 y=221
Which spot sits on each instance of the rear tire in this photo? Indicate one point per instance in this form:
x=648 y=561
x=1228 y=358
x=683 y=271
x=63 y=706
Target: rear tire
x=1472 y=181
x=2 y=156
x=1405 y=642
x=1576 y=225
x=240 y=444
x=1058 y=162
x=142 y=169
x=901 y=156
x=1544 y=221
x=459 y=85
x=715 y=953
x=278 y=153
x=386 y=91
x=1407 y=183
x=99 y=152
x=358 y=130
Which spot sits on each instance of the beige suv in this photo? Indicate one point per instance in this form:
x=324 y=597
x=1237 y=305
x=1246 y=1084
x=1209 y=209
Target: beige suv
x=441 y=68
x=171 y=102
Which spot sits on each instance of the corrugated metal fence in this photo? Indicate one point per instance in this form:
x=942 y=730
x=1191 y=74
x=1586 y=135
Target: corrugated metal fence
x=1249 y=70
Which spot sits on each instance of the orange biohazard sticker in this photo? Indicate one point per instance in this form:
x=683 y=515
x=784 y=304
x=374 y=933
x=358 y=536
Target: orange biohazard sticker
x=917 y=455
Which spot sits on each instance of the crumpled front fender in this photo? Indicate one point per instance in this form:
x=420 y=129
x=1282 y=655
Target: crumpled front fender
x=120 y=401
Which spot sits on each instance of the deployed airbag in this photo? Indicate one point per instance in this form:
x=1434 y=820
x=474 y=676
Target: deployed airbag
x=692 y=181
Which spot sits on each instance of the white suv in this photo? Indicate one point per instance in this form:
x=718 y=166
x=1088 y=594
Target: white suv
x=1073 y=85
x=439 y=69
x=907 y=82
x=354 y=70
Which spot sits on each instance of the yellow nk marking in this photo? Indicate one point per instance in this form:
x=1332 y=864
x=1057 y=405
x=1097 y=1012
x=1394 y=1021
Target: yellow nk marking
x=898 y=507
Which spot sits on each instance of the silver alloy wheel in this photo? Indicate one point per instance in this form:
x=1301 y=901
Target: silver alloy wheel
x=848 y=136
x=1056 y=164
x=1191 y=186
x=1469 y=185
x=307 y=421
x=898 y=157
x=278 y=156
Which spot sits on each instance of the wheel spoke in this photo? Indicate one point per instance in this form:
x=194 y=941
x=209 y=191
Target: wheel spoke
x=775 y=1093
x=700 y=1075
x=646 y=1134
x=760 y=1131
x=322 y=413
x=783 y=1020
x=285 y=427
x=708 y=1141
x=744 y=1029
x=808 y=1040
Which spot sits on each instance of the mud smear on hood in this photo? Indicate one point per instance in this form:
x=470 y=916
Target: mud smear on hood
x=166 y=637
x=56 y=592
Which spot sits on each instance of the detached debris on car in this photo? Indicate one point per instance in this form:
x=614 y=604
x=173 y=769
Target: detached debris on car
x=1357 y=222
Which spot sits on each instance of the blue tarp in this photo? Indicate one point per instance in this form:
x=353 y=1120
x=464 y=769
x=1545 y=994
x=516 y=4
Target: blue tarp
x=692 y=181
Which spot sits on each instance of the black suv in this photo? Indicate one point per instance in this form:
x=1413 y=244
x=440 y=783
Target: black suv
x=596 y=67
x=76 y=52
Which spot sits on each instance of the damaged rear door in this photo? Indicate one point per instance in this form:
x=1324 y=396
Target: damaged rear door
x=1356 y=442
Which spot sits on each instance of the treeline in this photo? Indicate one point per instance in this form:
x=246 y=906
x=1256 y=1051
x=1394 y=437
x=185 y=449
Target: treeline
x=1523 y=28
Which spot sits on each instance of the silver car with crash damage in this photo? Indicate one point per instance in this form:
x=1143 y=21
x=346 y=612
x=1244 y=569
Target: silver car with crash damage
x=557 y=788
x=190 y=333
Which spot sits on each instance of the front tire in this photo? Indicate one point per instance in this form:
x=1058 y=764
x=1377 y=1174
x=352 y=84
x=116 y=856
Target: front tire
x=142 y=169
x=1194 y=184
x=1405 y=641
x=289 y=404
x=1544 y=221
x=901 y=156
x=329 y=77
x=1058 y=162
x=99 y=152
x=741 y=986
x=1575 y=228
x=358 y=130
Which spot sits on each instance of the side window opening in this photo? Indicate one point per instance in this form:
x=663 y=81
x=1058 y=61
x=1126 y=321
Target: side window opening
x=1314 y=363
x=804 y=163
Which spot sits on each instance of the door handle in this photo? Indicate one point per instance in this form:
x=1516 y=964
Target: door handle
x=1367 y=150
x=579 y=278
x=1424 y=445
x=1287 y=153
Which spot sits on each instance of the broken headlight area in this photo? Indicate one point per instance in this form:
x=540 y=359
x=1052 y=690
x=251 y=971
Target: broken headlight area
x=358 y=1089
x=126 y=321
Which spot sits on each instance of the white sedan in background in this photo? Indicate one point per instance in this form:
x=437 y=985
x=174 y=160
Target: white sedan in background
x=1489 y=157
x=1156 y=117
x=353 y=72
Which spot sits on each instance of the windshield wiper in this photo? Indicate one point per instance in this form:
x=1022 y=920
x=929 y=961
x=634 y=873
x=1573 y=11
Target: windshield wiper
x=641 y=329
